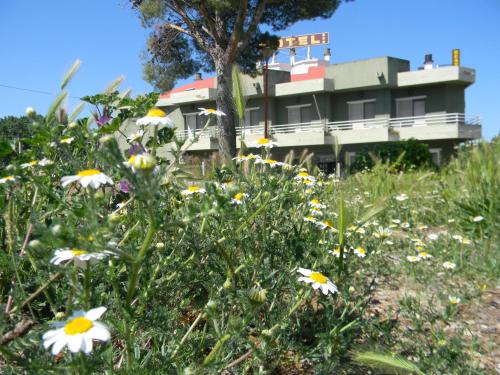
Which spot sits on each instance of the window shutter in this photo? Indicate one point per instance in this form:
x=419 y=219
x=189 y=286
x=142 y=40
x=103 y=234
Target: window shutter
x=305 y=114
x=404 y=108
x=355 y=111
x=419 y=107
x=369 y=110
x=294 y=115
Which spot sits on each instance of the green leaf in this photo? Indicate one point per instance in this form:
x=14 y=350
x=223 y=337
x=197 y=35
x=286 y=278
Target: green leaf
x=386 y=362
x=238 y=95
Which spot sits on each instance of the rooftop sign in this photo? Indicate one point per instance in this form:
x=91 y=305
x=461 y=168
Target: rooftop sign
x=304 y=40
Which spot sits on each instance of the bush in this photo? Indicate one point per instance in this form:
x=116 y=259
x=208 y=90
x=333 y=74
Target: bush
x=403 y=155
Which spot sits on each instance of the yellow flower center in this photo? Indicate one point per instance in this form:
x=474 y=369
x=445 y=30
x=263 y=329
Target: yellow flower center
x=423 y=254
x=361 y=250
x=156 y=112
x=211 y=110
x=238 y=196
x=318 y=277
x=303 y=174
x=263 y=141
x=314 y=201
x=89 y=172
x=33 y=162
x=7 y=178
x=328 y=223
x=78 y=325
x=131 y=159
x=193 y=188
x=310 y=218
x=78 y=252
x=270 y=161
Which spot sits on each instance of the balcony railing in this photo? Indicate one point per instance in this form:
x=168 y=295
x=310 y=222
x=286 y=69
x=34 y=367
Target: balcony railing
x=327 y=127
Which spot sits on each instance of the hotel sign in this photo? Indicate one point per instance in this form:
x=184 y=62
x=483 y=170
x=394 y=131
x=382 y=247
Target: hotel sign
x=304 y=40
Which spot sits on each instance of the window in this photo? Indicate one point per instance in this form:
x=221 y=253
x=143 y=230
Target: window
x=410 y=107
x=361 y=109
x=299 y=114
x=252 y=116
x=436 y=155
x=193 y=122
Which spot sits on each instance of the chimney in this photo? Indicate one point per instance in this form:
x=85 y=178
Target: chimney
x=292 y=56
x=428 y=62
x=455 y=57
x=328 y=54
x=197 y=76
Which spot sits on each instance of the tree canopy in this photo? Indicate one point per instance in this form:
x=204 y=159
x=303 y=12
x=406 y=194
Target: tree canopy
x=211 y=35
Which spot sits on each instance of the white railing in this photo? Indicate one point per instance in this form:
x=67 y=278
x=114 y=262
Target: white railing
x=323 y=126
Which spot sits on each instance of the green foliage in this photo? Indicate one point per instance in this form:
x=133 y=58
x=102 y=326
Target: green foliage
x=387 y=362
x=196 y=282
x=403 y=155
x=238 y=94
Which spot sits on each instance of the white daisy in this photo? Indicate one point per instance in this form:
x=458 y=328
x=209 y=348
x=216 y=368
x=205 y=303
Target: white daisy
x=271 y=162
x=310 y=219
x=193 y=190
x=316 y=204
x=318 y=281
x=78 y=332
x=210 y=111
x=454 y=300
x=30 y=164
x=78 y=256
x=92 y=177
x=44 y=162
x=141 y=162
x=316 y=212
x=301 y=176
x=241 y=158
x=433 y=236
x=67 y=140
x=156 y=116
x=477 y=219
x=238 y=198
x=360 y=252
x=326 y=225
x=6 y=179
x=265 y=142
x=336 y=252
x=137 y=136
x=424 y=255
x=401 y=197
x=412 y=258
x=449 y=265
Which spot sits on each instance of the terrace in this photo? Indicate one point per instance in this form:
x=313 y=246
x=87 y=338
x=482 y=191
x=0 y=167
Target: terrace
x=429 y=127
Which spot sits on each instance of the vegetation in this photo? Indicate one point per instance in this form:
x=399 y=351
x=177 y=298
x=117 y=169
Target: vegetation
x=261 y=267
x=402 y=155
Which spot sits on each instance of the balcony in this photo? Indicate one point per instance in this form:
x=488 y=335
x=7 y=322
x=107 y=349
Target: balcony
x=456 y=126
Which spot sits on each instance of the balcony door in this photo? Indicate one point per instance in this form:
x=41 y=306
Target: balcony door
x=193 y=123
x=299 y=114
x=359 y=111
x=411 y=110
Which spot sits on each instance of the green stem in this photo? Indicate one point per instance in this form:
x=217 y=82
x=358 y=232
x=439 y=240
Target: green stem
x=138 y=261
x=86 y=291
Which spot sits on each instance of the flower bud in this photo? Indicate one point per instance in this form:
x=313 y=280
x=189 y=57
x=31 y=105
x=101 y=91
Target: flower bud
x=60 y=315
x=211 y=305
x=227 y=284
x=114 y=218
x=34 y=244
x=105 y=139
x=56 y=230
x=30 y=112
x=98 y=195
x=160 y=245
x=257 y=295
x=72 y=125
x=142 y=161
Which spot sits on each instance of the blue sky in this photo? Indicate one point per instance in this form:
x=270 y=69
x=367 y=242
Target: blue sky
x=39 y=40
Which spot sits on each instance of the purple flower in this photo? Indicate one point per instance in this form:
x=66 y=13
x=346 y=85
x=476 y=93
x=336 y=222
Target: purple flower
x=103 y=120
x=135 y=149
x=124 y=186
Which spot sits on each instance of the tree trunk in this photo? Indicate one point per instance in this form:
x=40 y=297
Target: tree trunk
x=224 y=102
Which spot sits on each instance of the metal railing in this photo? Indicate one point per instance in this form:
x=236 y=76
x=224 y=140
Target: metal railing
x=323 y=126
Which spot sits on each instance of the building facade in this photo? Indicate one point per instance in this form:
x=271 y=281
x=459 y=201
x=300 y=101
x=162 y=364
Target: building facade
x=315 y=105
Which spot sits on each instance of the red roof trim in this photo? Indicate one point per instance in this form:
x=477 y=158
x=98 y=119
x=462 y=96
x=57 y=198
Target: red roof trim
x=313 y=72
x=207 y=83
